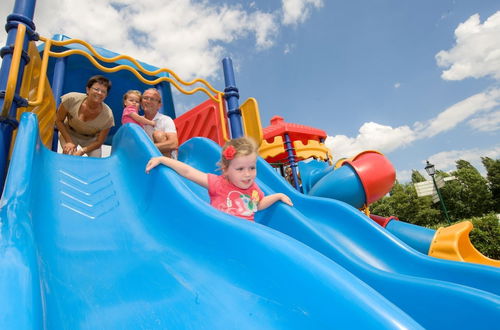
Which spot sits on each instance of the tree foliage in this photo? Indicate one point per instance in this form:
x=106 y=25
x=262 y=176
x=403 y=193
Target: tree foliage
x=469 y=196
x=486 y=235
x=493 y=176
x=404 y=204
x=416 y=177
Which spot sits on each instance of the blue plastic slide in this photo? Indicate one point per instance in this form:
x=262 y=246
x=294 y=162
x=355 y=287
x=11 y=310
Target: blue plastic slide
x=98 y=244
x=439 y=294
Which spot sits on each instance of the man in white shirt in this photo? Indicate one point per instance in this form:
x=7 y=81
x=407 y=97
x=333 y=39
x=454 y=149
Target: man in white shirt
x=164 y=134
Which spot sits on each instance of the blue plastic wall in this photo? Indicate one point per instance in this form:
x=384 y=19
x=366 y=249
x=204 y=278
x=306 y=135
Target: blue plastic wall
x=439 y=294
x=98 y=244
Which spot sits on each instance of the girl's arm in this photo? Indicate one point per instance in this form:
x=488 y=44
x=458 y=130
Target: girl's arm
x=141 y=119
x=183 y=169
x=271 y=199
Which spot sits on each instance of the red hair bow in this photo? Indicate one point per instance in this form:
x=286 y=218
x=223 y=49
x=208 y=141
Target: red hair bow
x=229 y=153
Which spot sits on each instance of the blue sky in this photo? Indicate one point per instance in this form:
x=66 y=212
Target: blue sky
x=415 y=80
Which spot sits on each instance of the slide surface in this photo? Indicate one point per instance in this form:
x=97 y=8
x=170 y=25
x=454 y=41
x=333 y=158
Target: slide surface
x=98 y=244
x=437 y=293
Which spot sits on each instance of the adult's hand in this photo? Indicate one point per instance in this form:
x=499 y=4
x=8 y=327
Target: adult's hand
x=69 y=148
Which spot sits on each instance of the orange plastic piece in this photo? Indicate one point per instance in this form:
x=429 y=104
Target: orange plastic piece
x=251 y=120
x=268 y=150
x=453 y=243
x=312 y=148
x=204 y=120
x=296 y=133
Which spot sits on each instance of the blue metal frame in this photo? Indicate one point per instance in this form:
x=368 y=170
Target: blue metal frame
x=57 y=90
x=231 y=94
x=291 y=160
x=22 y=14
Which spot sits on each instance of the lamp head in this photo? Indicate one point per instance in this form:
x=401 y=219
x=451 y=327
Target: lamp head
x=429 y=168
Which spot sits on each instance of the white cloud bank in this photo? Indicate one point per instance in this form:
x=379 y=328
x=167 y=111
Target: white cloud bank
x=447 y=161
x=480 y=112
x=476 y=54
x=477 y=50
x=186 y=36
x=298 y=11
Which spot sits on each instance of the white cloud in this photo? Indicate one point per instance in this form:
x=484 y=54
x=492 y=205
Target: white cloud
x=404 y=176
x=476 y=54
x=488 y=123
x=185 y=36
x=481 y=109
x=371 y=136
x=478 y=104
x=298 y=11
x=288 y=48
x=477 y=50
x=445 y=161
x=397 y=85
x=189 y=37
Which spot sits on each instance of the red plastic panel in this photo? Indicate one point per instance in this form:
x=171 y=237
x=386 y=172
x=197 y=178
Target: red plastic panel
x=204 y=120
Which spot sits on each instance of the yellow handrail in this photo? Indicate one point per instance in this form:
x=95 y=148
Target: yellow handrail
x=131 y=69
x=43 y=75
x=14 y=69
x=16 y=58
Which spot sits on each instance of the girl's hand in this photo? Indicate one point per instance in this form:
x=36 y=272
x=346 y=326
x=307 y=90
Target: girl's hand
x=285 y=199
x=153 y=162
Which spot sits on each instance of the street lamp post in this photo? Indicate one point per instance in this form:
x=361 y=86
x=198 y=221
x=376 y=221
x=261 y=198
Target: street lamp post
x=429 y=168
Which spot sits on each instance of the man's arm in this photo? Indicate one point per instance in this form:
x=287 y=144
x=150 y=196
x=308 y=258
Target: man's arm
x=171 y=143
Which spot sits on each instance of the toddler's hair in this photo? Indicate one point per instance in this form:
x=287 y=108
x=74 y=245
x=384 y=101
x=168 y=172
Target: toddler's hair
x=244 y=146
x=132 y=91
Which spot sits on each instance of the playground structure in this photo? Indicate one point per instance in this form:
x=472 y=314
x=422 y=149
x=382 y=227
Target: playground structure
x=51 y=235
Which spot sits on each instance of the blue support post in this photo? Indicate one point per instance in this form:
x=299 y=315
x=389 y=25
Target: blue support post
x=291 y=159
x=22 y=14
x=57 y=89
x=231 y=94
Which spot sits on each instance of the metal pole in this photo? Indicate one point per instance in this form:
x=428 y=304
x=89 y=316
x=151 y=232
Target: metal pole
x=291 y=159
x=57 y=90
x=441 y=200
x=231 y=94
x=22 y=14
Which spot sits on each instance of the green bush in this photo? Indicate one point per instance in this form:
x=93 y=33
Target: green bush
x=486 y=235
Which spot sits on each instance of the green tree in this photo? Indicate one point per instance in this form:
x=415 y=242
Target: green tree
x=404 y=204
x=416 y=177
x=468 y=195
x=486 y=235
x=493 y=176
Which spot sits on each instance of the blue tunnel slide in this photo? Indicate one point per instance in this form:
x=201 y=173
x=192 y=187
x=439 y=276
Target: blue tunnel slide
x=98 y=244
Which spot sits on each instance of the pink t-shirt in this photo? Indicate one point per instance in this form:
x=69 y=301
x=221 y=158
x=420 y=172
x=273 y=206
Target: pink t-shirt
x=126 y=119
x=228 y=198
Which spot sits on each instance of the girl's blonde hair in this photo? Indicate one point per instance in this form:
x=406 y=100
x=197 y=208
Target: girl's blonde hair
x=132 y=91
x=243 y=146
